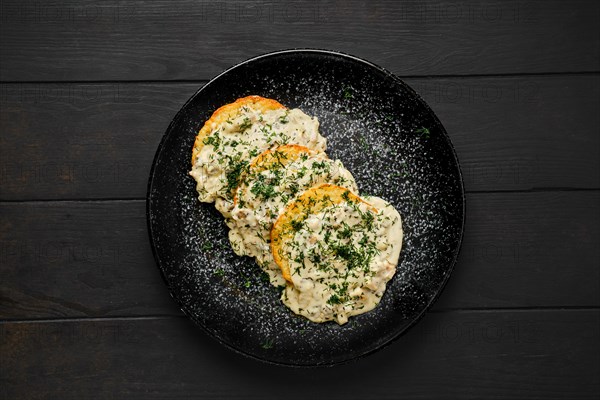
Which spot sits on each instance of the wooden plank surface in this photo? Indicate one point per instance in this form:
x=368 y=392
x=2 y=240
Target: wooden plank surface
x=87 y=90
x=186 y=39
x=550 y=354
x=79 y=259
x=97 y=141
x=93 y=259
x=83 y=141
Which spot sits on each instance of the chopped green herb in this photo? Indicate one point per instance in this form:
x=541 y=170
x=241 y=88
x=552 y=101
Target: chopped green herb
x=364 y=144
x=300 y=258
x=346 y=196
x=403 y=173
x=285 y=139
x=424 y=132
x=345 y=251
x=263 y=190
x=236 y=167
x=245 y=125
x=334 y=299
x=314 y=257
x=213 y=140
x=320 y=165
x=355 y=258
x=346 y=232
x=302 y=172
x=293 y=187
x=348 y=93
x=283 y=119
x=368 y=219
x=296 y=225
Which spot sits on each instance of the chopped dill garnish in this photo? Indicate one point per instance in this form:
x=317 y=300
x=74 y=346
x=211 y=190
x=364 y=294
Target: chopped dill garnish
x=355 y=258
x=302 y=172
x=261 y=189
x=265 y=189
x=236 y=167
x=284 y=118
x=346 y=232
x=424 y=132
x=368 y=219
x=213 y=140
x=364 y=144
x=348 y=93
x=296 y=225
x=320 y=165
x=245 y=125
x=346 y=196
x=293 y=187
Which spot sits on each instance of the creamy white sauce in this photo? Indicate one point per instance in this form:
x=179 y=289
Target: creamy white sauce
x=262 y=196
x=230 y=147
x=340 y=262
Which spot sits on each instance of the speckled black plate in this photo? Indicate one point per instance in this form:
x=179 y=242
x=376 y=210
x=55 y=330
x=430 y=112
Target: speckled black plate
x=396 y=148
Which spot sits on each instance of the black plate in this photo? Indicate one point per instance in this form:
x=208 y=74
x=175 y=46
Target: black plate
x=391 y=141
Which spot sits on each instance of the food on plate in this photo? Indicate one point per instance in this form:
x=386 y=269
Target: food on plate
x=273 y=180
x=238 y=132
x=295 y=210
x=337 y=251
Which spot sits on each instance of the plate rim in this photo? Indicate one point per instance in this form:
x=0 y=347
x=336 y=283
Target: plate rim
x=397 y=80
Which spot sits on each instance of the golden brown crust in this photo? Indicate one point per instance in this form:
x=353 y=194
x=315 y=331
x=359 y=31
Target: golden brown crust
x=312 y=201
x=222 y=114
x=289 y=152
x=285 y=154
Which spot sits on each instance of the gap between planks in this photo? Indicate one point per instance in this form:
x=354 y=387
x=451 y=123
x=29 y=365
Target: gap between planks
x=204 y=81
x=182 y=316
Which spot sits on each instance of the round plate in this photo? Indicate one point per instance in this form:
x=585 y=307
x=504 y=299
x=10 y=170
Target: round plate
x=396 y=148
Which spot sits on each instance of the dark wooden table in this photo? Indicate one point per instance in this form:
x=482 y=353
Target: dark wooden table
x=88 y=89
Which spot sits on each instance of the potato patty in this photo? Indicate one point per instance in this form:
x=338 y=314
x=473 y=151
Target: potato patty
x=274 y=179
x=337 y=251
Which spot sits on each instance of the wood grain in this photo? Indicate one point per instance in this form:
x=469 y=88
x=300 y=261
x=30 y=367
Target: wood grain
x=186 y=39
x=82 y=141
x=87 y=90
x=93 y=259
x=78 y=259
x=469 y=355
x=528 y=250
x=98 y=141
